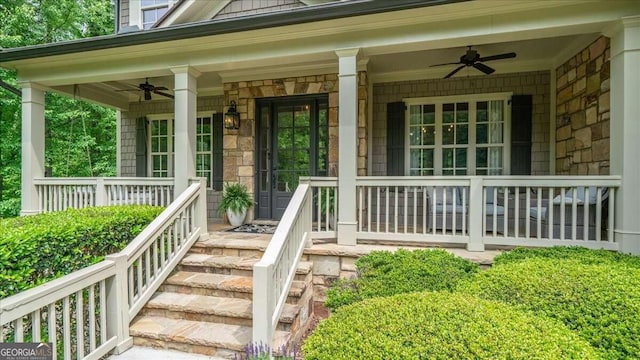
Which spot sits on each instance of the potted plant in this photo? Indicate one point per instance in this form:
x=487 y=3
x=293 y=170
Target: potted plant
x=235 y=202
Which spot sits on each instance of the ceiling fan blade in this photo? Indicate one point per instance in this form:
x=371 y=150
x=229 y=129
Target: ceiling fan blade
x=451 y=63
x=129 y=90
x=161 y=88
x=163 y=94
x=484 y=68
x=498 y=57
x=454 y=71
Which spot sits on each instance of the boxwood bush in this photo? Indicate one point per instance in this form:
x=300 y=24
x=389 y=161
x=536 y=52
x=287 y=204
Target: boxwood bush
x=581 y=254
x=39 y=248
x=441 y=325
x=382 y=273
x=601 y=302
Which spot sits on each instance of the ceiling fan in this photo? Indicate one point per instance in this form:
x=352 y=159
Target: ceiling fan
x=149 y=89
x=472 y=58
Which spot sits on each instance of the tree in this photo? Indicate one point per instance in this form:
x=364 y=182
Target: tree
x=79 y=136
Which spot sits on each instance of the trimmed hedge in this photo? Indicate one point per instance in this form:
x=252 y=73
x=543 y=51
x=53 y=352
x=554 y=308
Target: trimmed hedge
x=441 y=325
x=382 y=273
x=578 y=253
x=39 y=248
x=601 y=302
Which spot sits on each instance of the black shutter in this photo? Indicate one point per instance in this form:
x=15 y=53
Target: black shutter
x=217 y=152
x=521 y=115
x=141 y=147
x=395 y=139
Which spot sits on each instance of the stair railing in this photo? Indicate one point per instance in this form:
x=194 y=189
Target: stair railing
x=87 y=313
x=274 y=273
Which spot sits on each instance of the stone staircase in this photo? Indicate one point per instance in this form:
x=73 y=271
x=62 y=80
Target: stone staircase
x=205 y=306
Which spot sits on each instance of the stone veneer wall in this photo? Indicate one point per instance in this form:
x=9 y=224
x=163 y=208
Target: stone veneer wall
x=582 y=134
x=530 y=83
x=128 y=136
x=239 y=145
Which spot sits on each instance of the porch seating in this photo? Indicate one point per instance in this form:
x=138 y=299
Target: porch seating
x=562 y=222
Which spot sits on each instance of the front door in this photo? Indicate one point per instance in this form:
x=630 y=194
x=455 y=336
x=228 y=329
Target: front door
x=292 y=141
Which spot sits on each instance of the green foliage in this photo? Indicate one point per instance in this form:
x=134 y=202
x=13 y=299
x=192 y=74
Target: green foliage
x=235 y=197
x=578 y=253
x=68 y=146
x=384 y=273
x=441 y=325
x=600 y=301
x=9 y=208
x=39 y=248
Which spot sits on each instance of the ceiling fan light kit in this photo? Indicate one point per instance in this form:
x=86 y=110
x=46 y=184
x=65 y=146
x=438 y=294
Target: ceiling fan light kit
x=473 y=59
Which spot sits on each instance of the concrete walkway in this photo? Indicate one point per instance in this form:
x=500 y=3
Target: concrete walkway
x=145 y=353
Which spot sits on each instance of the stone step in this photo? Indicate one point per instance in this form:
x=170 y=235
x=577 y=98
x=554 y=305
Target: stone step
x=232 y=286
x=230 y=265
x=233 y=244
x=211 y=309
x=221 y=340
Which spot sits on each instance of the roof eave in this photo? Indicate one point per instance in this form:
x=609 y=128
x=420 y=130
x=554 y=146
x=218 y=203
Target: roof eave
x=327 y=11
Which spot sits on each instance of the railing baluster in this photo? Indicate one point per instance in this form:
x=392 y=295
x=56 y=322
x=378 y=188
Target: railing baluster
x=539 y=210
x=562 y=213
x=425 y=212
x=585 y=219
x=550 y=207
x=527 y=225
x=415 y=209
x=92 y=317
x=79 y=325
x=464 y=211
x=51 y=328
x=433 y=210
x=369 y=207
x=386 y=213
x=19 y=330
x=454 y=213
x=574 y=213
x=444 y=210
x=360 y=196
x=395 y=211
x=103 y=311
x=377 y=208
x=35 y=326
x=66 y=328
x=505 y=218
x=516 y=209
x=599 y=214
x=405 y=190
x=612 y=208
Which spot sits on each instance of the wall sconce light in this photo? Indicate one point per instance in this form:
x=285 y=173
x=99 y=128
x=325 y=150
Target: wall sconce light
x=232 y=117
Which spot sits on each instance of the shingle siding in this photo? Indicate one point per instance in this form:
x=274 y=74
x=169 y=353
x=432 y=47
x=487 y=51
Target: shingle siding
x=128 y=135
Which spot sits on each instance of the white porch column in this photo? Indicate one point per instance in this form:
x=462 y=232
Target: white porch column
x=347 y=145
x=185 y=126
x=32 y=145
x=625 y=131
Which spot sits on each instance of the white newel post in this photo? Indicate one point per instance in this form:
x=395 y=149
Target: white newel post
x=625 y=131
x=117 y=292
x=185 y=126
x=347 y=145
x=476 y=215
x=32 y=145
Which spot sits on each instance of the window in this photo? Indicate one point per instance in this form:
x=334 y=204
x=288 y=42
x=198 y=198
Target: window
x=204 y=148
x=162 y=144
x=458 y=135
x=152 y=10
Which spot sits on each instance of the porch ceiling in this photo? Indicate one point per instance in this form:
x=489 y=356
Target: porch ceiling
x=395 y=46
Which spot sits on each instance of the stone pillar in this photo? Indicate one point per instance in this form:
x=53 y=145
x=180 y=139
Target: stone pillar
x=625 y=131
x=32 y=145
x=347 y=145
x=184 y=126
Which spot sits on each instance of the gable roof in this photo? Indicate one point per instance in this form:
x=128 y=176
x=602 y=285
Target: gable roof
x=185 y=11
x=328 y=11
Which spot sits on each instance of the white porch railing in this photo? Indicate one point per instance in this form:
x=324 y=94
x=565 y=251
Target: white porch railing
x=274 y=273
x=496 y=210
x=56 y=194
x=95 y=305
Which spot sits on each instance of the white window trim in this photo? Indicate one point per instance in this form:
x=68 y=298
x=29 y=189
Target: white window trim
x=472 y=99
x=170 y=133
x=200 y=115
x=135 y=11
x=170 y=152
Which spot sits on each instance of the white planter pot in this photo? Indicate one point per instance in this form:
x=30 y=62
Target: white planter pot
x=236 y=219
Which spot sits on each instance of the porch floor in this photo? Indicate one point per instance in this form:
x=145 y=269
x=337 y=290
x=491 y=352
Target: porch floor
x=328 y=247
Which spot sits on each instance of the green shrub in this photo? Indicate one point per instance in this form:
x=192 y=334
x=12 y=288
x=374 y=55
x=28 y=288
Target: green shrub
x=383 y=273
x=601 y=302
x=441 y=325
x=9 y=208
x=39 y=248
x=581 y=254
